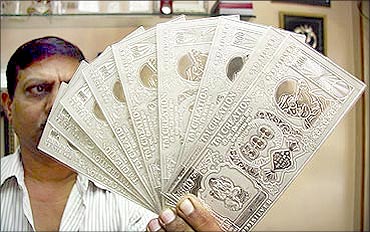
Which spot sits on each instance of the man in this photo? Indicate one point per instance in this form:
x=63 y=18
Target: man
x=39 y=193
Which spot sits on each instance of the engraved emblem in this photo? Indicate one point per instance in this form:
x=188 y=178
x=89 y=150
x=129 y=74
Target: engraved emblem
x=224 y=189
x=149 y=74
x=107 y=69
x=191 y=65
x=282 y=159
x=234 y=66
x=118 y=92
x=140 y=50
x=295 y=99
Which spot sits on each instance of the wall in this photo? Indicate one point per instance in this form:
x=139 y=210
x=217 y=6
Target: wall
x=324 y=196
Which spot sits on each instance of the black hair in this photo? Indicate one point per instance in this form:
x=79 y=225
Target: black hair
x=36 y=50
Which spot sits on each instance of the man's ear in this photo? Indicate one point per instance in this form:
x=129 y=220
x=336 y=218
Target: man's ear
x=6 y=102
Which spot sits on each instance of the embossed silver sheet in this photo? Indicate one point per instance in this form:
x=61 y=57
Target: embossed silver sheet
x=265 y=48
x=275 y=101
x=104 y=82
x=182 y=51
x=233 y=43
x=79 y=102
x=264 y=142
x=78 y=152
x=137 y=64
x=136 y=60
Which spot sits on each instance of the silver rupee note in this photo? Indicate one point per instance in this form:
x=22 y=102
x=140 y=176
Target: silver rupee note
x=267 y=138
x=82 y=106
x=182 y=51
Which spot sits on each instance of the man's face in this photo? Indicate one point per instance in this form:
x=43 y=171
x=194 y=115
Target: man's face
x=34 y=96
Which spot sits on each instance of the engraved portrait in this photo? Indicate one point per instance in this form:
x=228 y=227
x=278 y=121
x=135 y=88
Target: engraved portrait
x=223 y=189
x=148 y=74
x=229 y=191
x=190 y=66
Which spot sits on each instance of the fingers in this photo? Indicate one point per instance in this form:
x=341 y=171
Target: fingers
x=196 y=215
x=189 y=215
x=154 y=226
x=168 y=221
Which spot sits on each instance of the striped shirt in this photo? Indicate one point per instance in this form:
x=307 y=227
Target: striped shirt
x=90 y=207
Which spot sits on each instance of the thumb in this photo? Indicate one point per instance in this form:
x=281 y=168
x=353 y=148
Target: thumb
x=196 y=214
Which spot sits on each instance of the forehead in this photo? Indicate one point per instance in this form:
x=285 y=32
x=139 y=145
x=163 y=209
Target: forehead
x=50 y=69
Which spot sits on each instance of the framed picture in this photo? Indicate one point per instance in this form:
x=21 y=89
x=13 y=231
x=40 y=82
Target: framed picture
x=312 y=26
x=308 y=2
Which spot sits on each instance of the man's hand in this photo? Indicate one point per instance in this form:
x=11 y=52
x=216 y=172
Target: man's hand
x=189 y=215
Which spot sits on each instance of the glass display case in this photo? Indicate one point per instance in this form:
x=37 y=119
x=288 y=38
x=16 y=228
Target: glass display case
x=53 y=13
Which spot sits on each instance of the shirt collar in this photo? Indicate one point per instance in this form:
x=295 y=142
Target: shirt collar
x=11 y=166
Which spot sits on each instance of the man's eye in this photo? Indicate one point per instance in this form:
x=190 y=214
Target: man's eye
x=38 y=90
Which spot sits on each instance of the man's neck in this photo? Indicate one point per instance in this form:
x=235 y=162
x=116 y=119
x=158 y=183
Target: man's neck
x=41 y=167
x=49 y=184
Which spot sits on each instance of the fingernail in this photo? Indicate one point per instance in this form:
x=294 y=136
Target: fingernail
x=154 y=225
x=187 y=207
x=167 y=216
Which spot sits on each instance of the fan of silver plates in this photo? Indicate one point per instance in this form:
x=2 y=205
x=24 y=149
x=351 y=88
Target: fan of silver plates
x=228 y=110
